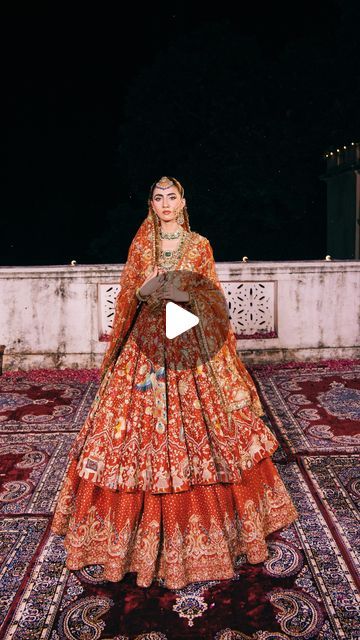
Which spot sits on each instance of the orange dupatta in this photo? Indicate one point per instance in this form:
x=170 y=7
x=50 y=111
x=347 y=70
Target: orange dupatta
x=205 y=301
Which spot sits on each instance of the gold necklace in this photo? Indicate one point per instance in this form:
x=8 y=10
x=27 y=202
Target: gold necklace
x=171 y=235
x=170 y=257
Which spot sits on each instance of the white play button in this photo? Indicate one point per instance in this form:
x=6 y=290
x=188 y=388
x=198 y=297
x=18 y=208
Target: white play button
x=168 y=333
x=178 y=320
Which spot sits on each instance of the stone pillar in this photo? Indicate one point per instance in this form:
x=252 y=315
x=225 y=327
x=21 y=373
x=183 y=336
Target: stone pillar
x=343 y=202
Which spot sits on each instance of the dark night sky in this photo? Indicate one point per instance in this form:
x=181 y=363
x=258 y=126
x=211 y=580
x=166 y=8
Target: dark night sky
x=239 y=106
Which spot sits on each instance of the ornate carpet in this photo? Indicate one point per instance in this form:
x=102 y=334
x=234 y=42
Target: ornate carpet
x=314 y=408
x=307 y=589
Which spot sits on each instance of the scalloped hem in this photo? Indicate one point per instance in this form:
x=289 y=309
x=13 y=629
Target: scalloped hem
x=181 y=538
x=202 y=574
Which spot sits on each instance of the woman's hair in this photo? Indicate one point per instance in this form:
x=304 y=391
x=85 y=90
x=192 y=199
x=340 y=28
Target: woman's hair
x=176 y=182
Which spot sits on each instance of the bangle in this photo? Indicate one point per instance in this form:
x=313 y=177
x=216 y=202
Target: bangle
x=139 y=296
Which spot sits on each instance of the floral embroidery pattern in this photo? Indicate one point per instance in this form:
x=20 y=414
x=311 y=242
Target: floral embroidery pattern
x=204 y=529
x=171 y=475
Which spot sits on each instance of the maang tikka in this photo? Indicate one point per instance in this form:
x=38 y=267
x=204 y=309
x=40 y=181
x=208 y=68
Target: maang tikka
x=165 y=183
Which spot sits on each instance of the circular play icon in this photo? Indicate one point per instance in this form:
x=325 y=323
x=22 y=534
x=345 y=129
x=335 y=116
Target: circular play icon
x=187 y=329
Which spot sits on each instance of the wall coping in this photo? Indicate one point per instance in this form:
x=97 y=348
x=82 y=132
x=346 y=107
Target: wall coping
x=227 y=268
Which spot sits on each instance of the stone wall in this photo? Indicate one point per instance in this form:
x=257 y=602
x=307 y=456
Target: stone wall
x=57 y=316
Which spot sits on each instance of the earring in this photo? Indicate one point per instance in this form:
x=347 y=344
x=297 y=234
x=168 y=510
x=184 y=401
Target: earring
x=180 y=217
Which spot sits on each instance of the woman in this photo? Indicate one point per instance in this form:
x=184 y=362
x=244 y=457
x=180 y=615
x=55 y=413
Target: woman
x=170 y=476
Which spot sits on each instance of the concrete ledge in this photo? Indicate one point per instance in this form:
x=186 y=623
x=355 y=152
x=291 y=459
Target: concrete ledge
x=49 y=315
x=27 y=361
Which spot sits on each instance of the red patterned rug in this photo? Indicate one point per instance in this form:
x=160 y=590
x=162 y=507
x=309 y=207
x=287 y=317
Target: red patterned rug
x=314 y=408
x=335 y=483
x=307 y=589
x=43 y=400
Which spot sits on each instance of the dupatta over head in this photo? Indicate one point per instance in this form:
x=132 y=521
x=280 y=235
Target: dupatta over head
x=141 y=260
x=170 y=475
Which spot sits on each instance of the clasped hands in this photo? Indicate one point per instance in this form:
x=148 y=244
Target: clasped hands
x=157 y=287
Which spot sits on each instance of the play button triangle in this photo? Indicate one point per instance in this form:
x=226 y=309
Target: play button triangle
x=178 y=320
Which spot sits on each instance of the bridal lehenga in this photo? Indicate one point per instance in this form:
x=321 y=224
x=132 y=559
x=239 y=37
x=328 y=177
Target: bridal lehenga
x=171 y=474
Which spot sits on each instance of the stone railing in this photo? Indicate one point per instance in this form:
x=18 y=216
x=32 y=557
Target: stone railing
x=60 y=316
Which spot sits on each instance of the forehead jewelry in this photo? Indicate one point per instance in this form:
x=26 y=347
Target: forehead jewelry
x=164 y=183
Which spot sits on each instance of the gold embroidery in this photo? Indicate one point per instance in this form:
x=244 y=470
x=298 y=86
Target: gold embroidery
x=150 y=455
x=181 y=544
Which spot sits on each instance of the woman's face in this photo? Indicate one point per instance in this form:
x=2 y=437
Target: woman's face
x=166 y=203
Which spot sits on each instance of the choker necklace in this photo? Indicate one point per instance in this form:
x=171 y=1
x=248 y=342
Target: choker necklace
x=171 y=235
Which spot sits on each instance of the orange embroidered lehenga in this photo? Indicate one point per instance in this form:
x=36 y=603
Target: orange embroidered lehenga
x=171 y=474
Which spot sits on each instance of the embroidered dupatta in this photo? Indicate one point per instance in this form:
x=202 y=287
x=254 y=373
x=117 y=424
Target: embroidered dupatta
x=139 y=264
x=206 y=301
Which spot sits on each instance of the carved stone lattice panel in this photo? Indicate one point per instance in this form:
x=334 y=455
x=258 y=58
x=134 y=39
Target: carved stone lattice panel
x=107 y=294
x=252 y=308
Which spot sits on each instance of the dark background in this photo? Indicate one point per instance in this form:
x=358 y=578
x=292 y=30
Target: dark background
x=239 y=104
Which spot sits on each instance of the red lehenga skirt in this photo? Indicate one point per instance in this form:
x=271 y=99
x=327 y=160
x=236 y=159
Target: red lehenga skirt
x=163 y=480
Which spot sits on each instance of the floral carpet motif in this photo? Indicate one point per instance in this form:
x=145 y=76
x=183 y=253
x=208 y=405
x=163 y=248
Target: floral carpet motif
x=335 y=482
x=32 y=468
x=306 y=589
x=34 y=401
x=315 y=408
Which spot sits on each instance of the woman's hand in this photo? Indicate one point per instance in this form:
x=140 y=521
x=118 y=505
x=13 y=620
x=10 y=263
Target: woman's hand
x=171 y=292
x=152 y=282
